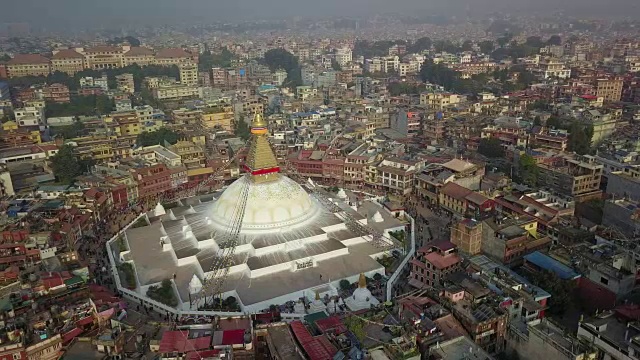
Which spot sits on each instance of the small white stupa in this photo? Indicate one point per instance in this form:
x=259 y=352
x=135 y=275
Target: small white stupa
x=159 y=210
x=332 y=307
x=342 y=194
x=362 y=297
x=317 y=305
x=377 y=217
x=195 y=285
x=299 y=308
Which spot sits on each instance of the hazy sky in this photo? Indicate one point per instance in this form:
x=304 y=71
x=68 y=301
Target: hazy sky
x=101 y=12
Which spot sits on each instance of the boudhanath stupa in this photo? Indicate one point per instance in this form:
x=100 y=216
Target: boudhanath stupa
x=289 y=244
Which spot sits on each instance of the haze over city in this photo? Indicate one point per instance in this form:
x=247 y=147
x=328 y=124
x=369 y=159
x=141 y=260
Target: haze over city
x=160 y=12
x=320 y=180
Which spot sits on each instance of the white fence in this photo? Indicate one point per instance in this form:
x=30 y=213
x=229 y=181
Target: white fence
x=396 y=275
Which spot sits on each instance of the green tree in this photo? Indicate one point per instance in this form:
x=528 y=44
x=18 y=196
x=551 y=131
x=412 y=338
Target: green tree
x=157 y=137
x=554 y=40
x=335 y=65
x=580 y=138
x=345 y=284
x=242 y=129
x=420 y=45
x=487 y=46
x=282 y=59
x=5 y=58
x=562 y=291
x=399 y=88
x=554 y=122
x=163 y=293
x=69 y=131
x=208 y=60
x=491 y=147
x=528 y=169
x=356 y=326
x=467 y=45
x=537 y=121
x=65 y=165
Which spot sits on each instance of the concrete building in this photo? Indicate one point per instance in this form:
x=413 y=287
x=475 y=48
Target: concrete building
x=542 y=339
x=139 y=55
x=175 y=92
x=104 y=57
x=343 y=56
x=188 y=74
x=432 y=264
x=576 y=176
x=438 y=101
x=29 y=116
x=57 y=93
x=68 y=61
x=101 y=82
x=615 y=339
x=219 y=117
x=467 y=236
x=174 y=56
x=279 y=77
x=508 y=240
x=28 y=65
x=609 y=89
x=457 y=349
x=125 y=83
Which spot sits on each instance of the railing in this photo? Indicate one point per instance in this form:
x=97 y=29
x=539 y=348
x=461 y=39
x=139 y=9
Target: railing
x=396 y=275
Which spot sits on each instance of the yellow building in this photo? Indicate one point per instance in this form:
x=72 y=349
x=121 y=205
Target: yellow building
x=104 y=57
x=218 y=117
x=175 y=92
x=139 y=55
x=28 y=65
x=67 y=61
x=173 y=56
x=191 y=154
x=439 y=101
x=609 y=89
x=189 y=74
x=186 y=116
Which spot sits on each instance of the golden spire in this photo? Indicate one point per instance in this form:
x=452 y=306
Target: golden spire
x=261 y=161
x=362 y=282
x=258 y=125
x=317 y=295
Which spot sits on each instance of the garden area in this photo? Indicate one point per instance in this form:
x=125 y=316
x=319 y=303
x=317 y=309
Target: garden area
x=229 y=304
x=122 y=244
x=140 y=223
x=163 y=293
x=129 y=273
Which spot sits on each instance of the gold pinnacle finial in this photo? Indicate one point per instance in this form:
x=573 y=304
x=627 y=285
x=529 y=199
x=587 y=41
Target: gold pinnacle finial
x=258 y=121
x=362 y=282
x=317 y=295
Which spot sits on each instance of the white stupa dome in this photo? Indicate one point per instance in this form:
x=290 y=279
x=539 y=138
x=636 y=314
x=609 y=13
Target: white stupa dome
x=342 y=194
x=377 y=217
x=195 y=285
x=270 y=205
x=159 y=210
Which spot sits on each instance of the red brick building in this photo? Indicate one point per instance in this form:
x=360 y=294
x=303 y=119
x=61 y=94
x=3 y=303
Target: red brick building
x=433 y=263
x=153 y=180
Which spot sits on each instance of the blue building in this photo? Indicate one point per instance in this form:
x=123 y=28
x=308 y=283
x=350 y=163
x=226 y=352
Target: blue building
x=4 y=91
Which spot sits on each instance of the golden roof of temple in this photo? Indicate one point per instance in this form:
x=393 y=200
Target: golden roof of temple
x=362 y=282
x=261 y=161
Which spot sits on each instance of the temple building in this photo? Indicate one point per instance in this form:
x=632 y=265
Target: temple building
x=289 y=242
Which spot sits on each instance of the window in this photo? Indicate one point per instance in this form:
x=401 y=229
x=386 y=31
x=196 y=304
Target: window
x=17 y=356
x=604 y=280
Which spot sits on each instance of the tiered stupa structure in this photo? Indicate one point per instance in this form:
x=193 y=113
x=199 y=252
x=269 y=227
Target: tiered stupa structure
x=288 y=245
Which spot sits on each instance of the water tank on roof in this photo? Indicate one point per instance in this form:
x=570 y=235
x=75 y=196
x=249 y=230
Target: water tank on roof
x=439 y=115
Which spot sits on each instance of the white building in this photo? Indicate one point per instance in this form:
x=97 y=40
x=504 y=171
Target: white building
x=29 y=116
x=344 y=56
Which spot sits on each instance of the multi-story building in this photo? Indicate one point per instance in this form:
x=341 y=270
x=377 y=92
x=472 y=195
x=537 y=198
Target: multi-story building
x=57 y=93
x=467 y=236
x=439 y=101
x=221 y=117
x=175 y=92
x=609 y=89
x=101 y=82
x=186 y=116
x=432 y=264
x=462 y=201
x=407 y=123
x=152 y=180
x=104 y=57
x=29 y=116
x=28 y=65
x=396 y=175
x=68 y=61
x=508 y=240
x=551 y=68
x=125 y=83
x=191 y=154
x=174 y=56
x=188 y=74
x=139 y=55
x=576 y=176
x=616 y=337
x=343 y=56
